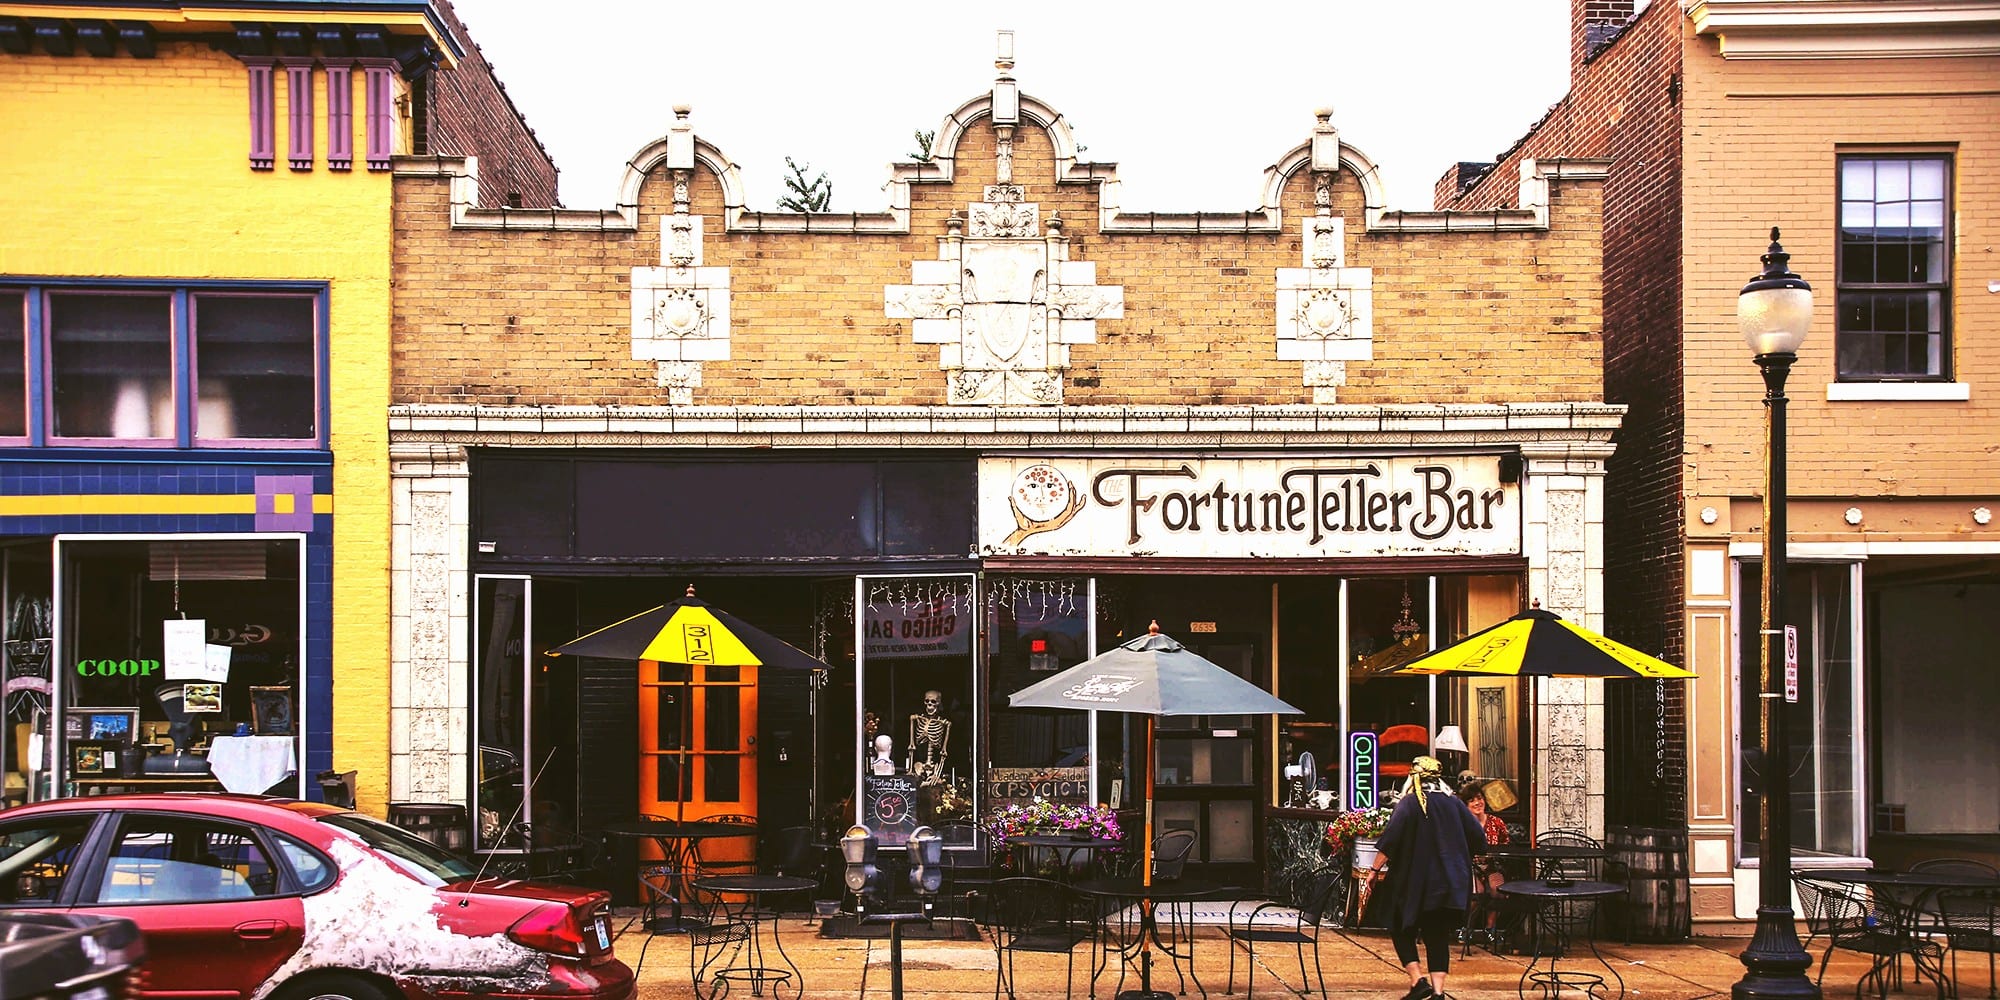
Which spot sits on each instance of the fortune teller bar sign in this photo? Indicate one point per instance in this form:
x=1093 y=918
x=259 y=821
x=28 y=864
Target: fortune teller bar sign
x=1243 y=508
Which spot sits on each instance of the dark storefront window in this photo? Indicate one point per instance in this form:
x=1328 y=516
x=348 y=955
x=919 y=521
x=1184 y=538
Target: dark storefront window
x=740 y=509
x=138 y=702
x=1822 y=725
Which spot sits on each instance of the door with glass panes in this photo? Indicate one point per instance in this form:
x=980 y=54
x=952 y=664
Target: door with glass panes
x=1204 y=767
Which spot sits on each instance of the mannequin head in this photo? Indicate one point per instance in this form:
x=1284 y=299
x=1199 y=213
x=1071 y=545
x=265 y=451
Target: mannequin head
x=883 y=747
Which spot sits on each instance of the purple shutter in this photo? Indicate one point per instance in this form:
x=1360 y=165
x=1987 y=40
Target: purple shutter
x=299 y=105
x=263 y=115
x=339 y=117
x=381 y=116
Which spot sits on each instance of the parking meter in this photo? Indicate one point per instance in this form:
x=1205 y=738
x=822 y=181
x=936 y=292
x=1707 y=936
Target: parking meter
x=926 y=850
x=857 y=852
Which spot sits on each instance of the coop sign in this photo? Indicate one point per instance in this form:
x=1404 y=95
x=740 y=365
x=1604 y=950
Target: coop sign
x=1363 y=763
x=1314 y=507
x=117 y=668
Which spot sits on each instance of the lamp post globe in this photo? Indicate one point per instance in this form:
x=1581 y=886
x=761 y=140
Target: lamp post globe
x=1775 y=310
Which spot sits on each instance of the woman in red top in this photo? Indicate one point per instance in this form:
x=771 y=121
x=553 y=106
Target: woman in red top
x=1485 y=871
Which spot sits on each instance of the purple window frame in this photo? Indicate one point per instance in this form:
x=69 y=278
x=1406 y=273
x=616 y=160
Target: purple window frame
x=380 y=112
x=263 y=114
x=27 y=372
x=299 y=113
x=339 y=118
x=48 y=373
x=193 y=365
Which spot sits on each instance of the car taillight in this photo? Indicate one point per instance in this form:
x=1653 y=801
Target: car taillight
x=555 y=929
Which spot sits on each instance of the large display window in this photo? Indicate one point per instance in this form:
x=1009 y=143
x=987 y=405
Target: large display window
x=1339 y=642
x=177 y=662
x=916 y=691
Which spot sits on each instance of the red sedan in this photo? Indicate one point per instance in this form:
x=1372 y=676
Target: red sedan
x=247 y=897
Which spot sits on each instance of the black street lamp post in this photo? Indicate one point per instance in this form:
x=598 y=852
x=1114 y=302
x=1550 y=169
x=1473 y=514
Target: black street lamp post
x=1775 y=310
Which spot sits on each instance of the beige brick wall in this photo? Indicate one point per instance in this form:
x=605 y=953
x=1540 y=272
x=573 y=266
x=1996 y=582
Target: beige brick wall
x=1763 y=155
x=543 y=317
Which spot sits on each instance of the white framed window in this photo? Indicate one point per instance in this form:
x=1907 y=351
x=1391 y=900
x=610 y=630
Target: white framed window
x=1894 y=276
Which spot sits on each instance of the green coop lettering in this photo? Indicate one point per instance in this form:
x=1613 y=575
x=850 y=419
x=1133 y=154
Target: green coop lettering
x=117 y=668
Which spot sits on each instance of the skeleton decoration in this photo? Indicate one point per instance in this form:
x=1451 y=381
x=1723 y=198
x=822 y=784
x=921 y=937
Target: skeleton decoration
x=1325 y=309
x=930 y=733
x=680 y=310
x=1004 y=302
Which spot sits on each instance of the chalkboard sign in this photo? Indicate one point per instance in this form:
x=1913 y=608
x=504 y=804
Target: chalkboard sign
x=890 y=804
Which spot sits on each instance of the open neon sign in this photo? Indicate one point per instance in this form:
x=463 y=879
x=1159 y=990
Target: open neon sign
x=1362 y=761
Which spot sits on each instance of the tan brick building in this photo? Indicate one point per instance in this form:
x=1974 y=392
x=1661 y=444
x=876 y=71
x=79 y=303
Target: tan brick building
x=1869 y=135
x=976 y=436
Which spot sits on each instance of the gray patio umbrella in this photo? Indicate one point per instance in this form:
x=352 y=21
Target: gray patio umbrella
x=1152 y=675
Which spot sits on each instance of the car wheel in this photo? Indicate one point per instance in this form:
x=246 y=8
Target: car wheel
x=333 y=986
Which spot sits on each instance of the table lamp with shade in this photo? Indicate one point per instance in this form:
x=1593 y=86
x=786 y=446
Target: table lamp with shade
x=1453 y=739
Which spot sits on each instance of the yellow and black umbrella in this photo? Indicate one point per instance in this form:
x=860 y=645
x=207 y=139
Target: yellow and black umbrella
x=1537 y=643
x=690 y=631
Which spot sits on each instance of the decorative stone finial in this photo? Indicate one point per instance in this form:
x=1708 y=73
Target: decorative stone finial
x=690 y=590
x=1153 y=629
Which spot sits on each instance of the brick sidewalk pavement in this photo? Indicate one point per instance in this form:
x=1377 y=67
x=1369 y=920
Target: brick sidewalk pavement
x=1358 y=964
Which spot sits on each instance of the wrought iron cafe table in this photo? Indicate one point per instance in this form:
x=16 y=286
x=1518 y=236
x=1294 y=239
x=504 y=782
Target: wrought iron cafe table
x=1135 y=945
x=677 y=840
x=1556 y=925
x=730 y=948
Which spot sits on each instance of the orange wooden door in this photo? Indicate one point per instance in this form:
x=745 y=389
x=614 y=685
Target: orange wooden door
x=698 y=747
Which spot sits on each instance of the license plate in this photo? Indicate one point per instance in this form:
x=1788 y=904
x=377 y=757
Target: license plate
x=604 y=933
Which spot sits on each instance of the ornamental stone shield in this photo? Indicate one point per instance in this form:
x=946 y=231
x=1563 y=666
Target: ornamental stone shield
x=1003 y=302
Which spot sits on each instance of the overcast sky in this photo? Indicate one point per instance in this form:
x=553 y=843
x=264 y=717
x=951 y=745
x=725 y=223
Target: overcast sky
x=1191 y=105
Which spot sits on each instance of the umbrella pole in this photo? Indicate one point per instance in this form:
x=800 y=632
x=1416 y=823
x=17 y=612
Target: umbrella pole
x=1148 y=927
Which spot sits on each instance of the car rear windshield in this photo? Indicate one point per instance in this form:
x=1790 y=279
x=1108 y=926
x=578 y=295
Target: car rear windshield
x=421 y=858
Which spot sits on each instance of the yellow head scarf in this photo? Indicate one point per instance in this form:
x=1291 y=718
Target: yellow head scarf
x=1423 y=769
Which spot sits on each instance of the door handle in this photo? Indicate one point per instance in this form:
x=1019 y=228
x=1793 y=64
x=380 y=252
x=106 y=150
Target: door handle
x=261 y=930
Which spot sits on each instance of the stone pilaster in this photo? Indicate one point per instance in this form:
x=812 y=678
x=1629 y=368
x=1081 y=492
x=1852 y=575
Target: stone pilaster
x=430 y=681
x=1563 y=501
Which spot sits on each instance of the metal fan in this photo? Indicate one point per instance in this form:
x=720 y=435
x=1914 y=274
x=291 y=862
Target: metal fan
x=1302 y=775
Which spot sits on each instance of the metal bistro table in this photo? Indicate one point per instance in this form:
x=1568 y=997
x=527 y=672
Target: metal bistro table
x=1916 y=888
x=1557 y=923
x=679 y=842
x=1064 y=847
x=1177 y=946
x=731 y=949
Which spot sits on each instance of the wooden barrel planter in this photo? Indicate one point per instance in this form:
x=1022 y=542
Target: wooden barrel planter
x=1653 y=863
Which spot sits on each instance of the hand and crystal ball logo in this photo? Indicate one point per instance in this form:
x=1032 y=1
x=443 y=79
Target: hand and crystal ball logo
x=1041 y=493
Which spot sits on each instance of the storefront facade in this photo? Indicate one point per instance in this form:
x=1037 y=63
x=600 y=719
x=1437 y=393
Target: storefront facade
x=194 y=313
x=1889 y=136
x=972 y=439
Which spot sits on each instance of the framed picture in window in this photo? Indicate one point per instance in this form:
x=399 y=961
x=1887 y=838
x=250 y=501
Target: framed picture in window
x=271 y=709
x=93 y=758
x=112 y=725
x=204 y=697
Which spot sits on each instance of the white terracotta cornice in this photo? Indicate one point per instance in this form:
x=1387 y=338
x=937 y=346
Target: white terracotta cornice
x=1555 y=428
x=1848 y=29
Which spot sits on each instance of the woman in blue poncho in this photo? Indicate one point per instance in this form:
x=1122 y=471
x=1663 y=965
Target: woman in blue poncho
x=1428 y=847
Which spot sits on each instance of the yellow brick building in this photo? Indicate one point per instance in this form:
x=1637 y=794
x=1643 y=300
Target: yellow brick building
x=977 y=434
x=194 y=317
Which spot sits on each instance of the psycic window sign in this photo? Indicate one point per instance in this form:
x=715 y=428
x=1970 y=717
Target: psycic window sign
x=1269 y=507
